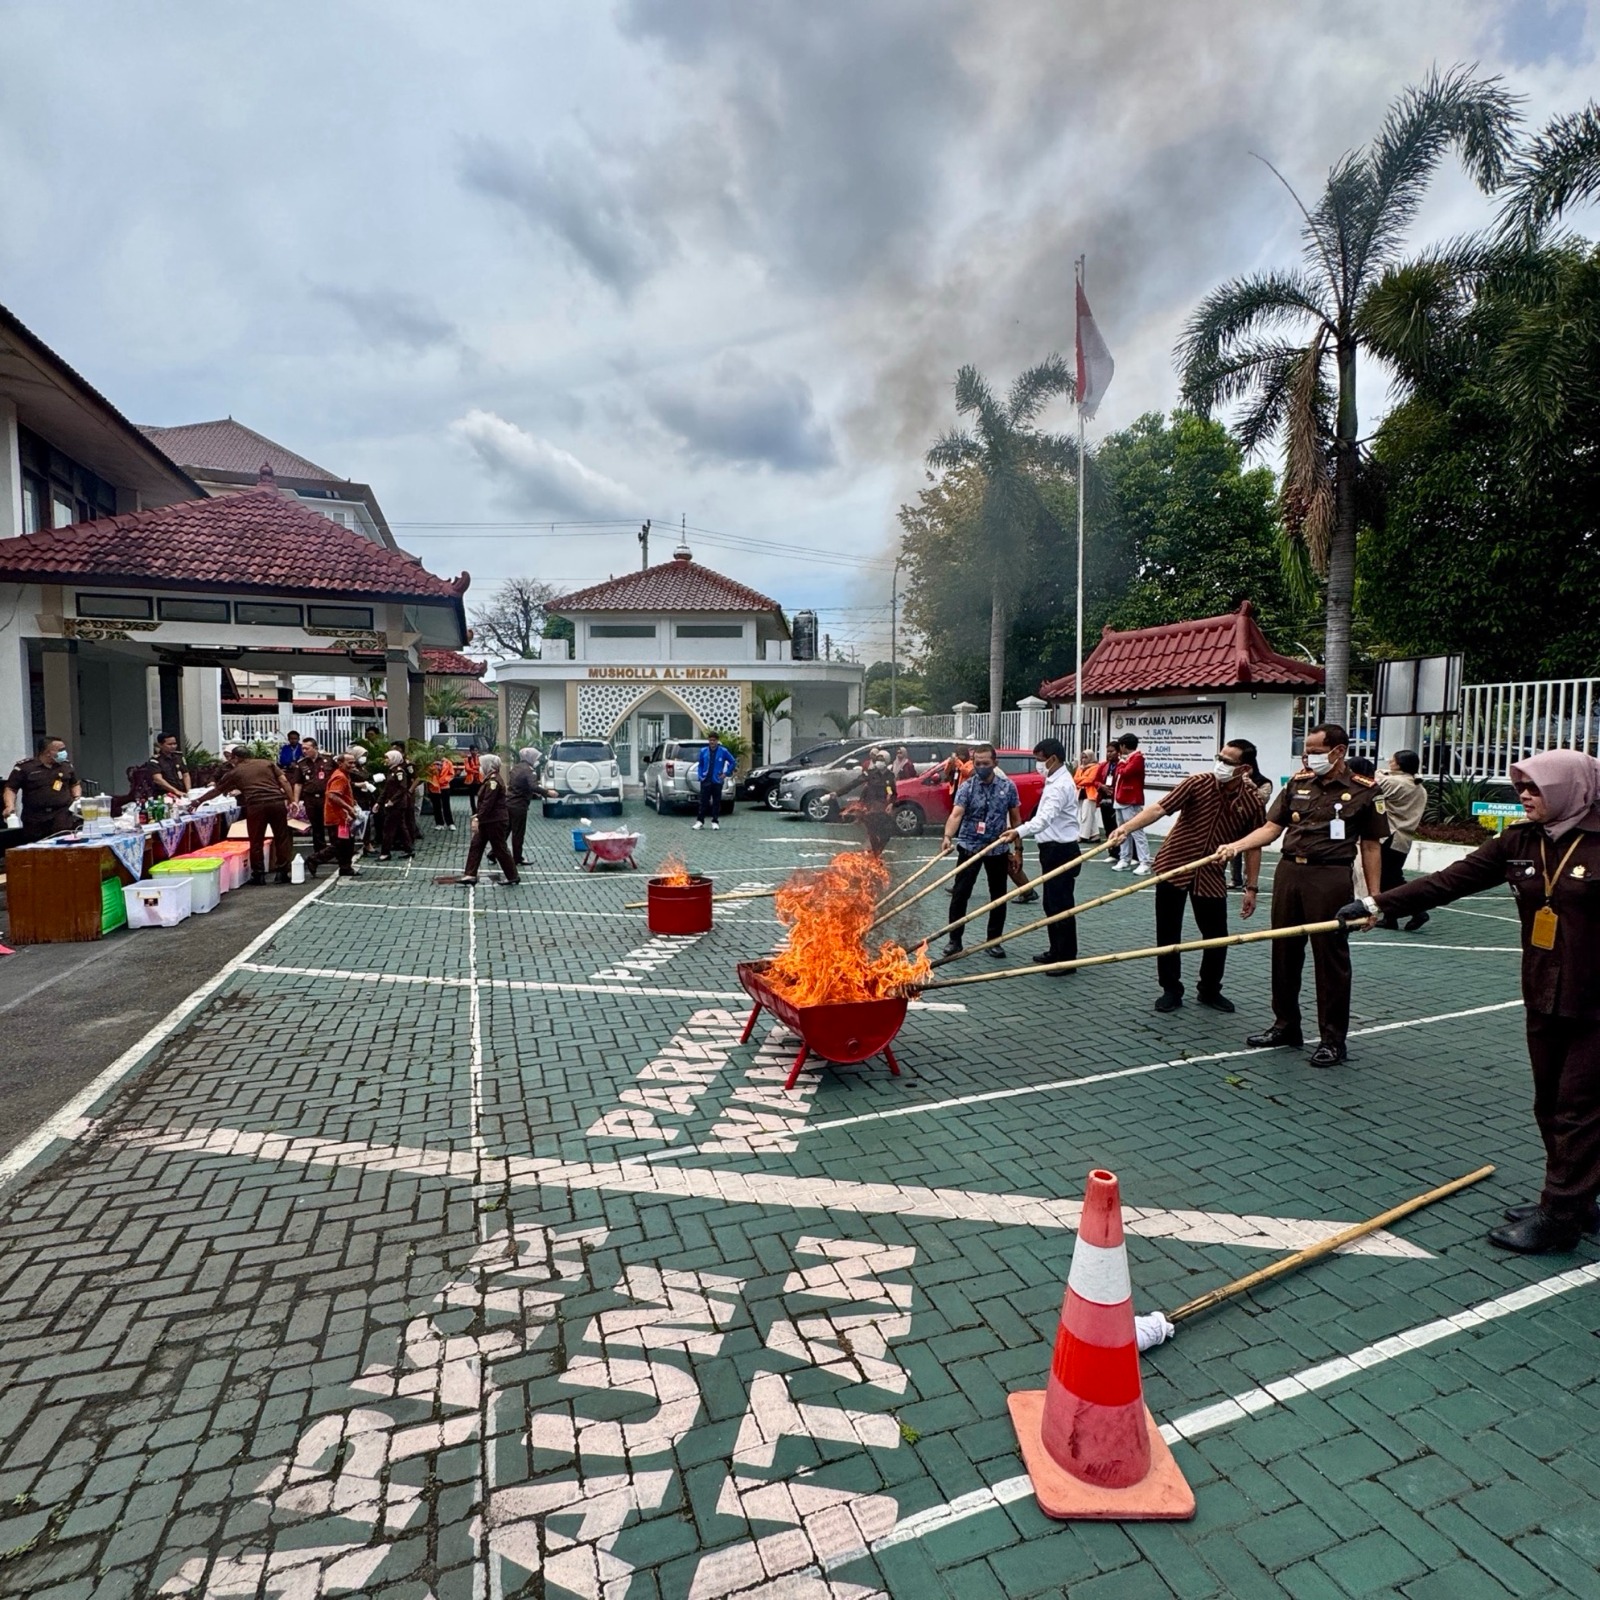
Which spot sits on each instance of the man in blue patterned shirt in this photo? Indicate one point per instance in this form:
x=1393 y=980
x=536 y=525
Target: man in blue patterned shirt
x=986 y=805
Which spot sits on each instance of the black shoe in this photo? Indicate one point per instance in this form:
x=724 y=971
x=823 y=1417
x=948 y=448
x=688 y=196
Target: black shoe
x=1329 y=1055
x=1271 y=1038
x=1538 y=1235
x=1170 y=1000
x=1027 y=897
x=997 y=951
x=521 y=863
x=281 y=877
x=1591 y=1223
x=950 y=951
x=471 y=883
x=258 y=878
x=1218 y=1001
x=1416 y=922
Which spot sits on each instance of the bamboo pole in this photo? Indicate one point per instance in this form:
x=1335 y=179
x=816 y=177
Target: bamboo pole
x=905 y=883
x=1337 y=1241
x=1299 y=930
x=906 y=905
x=1077 y=911
x=1021 y=888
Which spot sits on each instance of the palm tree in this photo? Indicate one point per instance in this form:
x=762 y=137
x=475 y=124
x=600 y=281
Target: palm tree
x=772 y=699
x=1011 y=456
x=1560 y=167
x=1240 y=344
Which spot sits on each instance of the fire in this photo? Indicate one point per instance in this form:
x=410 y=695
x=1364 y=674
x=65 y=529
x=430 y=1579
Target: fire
x=672 y=873
x=828 y=912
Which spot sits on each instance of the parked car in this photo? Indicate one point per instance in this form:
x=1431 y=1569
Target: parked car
x=925 y=801
x=581 y=775
x=760 y=784
x=670 y=783
x=815 y=790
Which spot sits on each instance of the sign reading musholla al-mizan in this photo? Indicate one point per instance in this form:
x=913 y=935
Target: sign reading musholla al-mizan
x=1177 y=741
x=658 y=674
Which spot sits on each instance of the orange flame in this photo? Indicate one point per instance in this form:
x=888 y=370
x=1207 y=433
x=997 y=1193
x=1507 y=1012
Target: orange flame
x=672 y=873
x=828 y=912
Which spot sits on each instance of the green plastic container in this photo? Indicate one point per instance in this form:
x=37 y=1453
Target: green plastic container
x=205 y=874
x=113 y=908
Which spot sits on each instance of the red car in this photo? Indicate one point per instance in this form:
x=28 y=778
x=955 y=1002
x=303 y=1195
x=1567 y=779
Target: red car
x=925 y=801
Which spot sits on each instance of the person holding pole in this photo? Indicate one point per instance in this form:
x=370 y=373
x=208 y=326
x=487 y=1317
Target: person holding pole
x=1551 y=864
x=1213 y=808
x=1055 y=826
x=986 y=813
x=1326 y=816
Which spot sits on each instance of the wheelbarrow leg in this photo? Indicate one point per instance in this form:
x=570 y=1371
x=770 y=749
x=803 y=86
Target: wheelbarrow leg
x=894 y=1066
x=750 y=1023
x=799 y=1061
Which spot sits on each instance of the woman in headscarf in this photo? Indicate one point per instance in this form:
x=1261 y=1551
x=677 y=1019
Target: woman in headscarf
x=1551 y=864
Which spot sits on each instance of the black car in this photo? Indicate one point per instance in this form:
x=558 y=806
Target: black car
x=761 y=783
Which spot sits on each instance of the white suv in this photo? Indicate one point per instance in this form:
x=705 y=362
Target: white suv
x=581 y=775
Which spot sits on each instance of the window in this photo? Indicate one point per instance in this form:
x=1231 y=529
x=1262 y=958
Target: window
x=33 y=498
x=680 y=725
x=265 y=614
x=1016 y=764
x=339 y=616
x=192 y=610
x=710 y=630
x=124 y=606
x=62 y=511
x=622 y=630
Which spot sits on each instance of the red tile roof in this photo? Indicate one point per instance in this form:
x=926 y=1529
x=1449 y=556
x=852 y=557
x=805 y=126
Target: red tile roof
x=229 y=446
x=262 y=540
x=449 y=663
x=676 y=585
x=1223 y=652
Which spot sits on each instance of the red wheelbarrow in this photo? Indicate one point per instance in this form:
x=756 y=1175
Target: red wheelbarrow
x=843 y=1033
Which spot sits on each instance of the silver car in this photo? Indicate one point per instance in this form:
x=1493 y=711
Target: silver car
x=670 y=783
x=815 y=790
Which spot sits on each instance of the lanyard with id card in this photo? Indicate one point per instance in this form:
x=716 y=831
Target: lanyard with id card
x=1545 y=920
x=1336 y=827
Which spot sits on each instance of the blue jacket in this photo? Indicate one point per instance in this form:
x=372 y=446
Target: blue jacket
x=725 y=764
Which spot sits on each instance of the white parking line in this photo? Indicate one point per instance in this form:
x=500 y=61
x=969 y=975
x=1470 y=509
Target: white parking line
x=957 y=1101
x=1248 y=1232
x=1236 y=1408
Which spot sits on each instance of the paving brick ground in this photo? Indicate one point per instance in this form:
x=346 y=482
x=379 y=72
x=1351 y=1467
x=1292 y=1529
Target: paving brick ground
x=371 y=1285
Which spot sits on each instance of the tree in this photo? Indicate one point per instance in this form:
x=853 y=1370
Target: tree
x=1235 y=346
x=445 y=703
x=772 y=700
x=515 y=617
x=1011 y=457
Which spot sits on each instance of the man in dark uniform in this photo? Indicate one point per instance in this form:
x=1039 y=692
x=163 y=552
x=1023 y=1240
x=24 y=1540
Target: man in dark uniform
x=491 y=826
x=1551 y=864
x=309 y=777
x=263 y=790
x=44 y=788
x=1325 y=814
x=521 y=791
x=169 y=776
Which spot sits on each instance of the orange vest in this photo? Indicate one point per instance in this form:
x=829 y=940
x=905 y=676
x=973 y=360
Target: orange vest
x=443 y=771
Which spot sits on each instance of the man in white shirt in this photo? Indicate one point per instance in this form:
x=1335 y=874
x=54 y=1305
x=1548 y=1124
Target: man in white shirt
x=1055 y=827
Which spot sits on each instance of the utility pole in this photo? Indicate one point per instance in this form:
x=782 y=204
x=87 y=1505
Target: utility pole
x=644 y=545
x=894 y=634
x=827 y=647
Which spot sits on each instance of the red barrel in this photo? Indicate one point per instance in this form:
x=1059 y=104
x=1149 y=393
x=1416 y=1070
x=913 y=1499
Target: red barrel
x=678 y=907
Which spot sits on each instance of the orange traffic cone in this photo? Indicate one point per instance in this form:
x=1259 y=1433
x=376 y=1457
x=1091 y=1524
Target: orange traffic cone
x=1089 y=1442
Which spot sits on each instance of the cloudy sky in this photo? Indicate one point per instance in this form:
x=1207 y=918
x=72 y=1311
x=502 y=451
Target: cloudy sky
x=580 y=262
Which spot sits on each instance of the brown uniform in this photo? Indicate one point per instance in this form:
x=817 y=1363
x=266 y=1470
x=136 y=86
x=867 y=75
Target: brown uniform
x=392 y=809
x=1560 y=988
x=172 y=770
x=1312 y=884
x=263 y=791
x=44 y=792
x=493 y=830
x=310 y=775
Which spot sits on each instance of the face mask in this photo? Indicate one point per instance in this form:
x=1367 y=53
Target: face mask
x=1319 y=762
x=63 y=756
x=1225 y=773
x=984 y=774
x=1040 y=766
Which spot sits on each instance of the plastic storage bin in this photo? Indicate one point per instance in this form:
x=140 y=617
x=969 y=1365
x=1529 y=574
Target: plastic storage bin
x=235 y=864
x=205 y=873
x=113 y=908
x=159 y=902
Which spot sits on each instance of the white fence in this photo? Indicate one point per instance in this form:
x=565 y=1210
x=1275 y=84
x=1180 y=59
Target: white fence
x=1499 y=723
x=333 y=729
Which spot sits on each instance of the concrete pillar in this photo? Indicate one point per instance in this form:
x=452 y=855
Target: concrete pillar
x=16 y=698
x=169 y=704
x=1035 y=721
x=285 y=704
x=963 y=710
x=200 y=694
x=60 y=694
x=397 y=694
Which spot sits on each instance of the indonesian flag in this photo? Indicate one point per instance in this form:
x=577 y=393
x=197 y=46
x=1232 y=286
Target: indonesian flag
x=1095 y=365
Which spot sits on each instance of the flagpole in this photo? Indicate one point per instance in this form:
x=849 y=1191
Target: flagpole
x=1077 y=680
